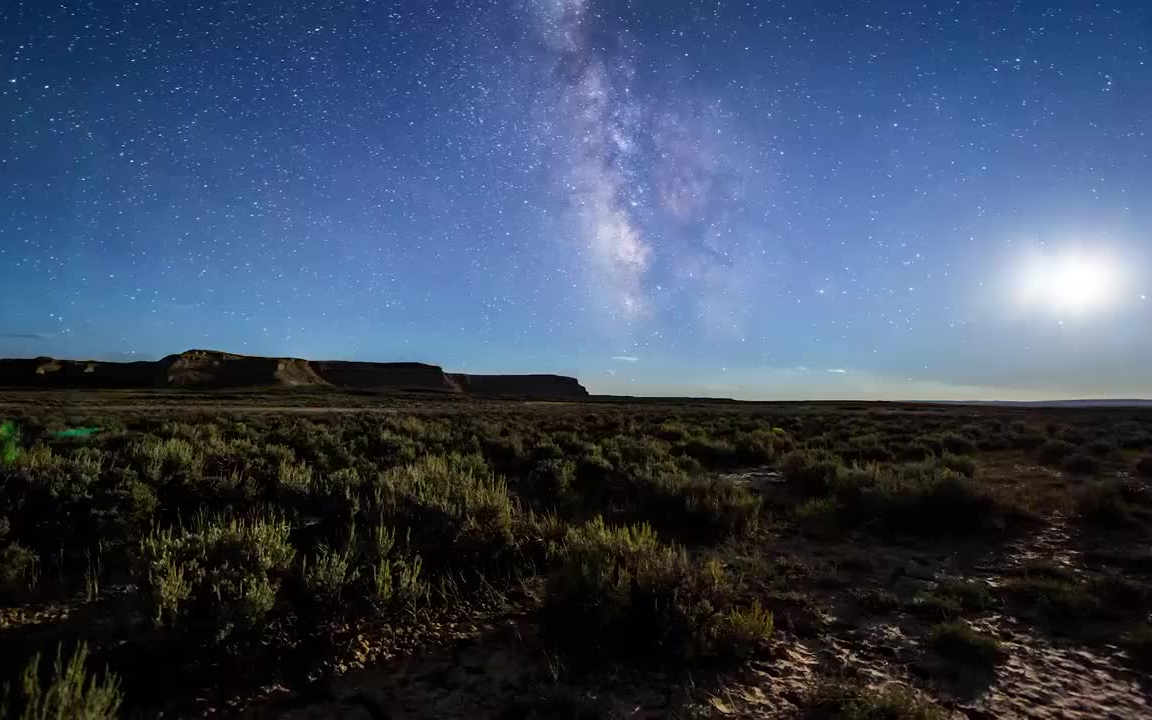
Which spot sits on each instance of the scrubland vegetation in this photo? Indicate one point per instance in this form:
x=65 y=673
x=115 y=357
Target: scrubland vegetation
x=190 y=561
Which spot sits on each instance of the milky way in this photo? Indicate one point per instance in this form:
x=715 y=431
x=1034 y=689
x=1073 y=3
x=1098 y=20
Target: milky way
x=735 y=198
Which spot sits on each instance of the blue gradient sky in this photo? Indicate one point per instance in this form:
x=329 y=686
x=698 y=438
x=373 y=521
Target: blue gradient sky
x=777 y=200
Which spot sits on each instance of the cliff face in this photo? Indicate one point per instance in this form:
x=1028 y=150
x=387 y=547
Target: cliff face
x=545 y=386
x=208 y=369
x=396 y=376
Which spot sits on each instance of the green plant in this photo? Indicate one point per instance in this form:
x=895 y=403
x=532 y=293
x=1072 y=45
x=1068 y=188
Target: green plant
x=391 y=576
x=952 y=598
x=1112 y=504
x=221 y=574
x=1139 y=645
x=457 y=510
x=1054 y=451
x=72 y=693
x=811 y=473
x=615 y=590
x=846 y=701
x=962 y=464
x=17 y=563
x=958 y=444
x=740 y=631
x=1081 y=464
x=553 y=477
x=328 y=573
x=959 y=642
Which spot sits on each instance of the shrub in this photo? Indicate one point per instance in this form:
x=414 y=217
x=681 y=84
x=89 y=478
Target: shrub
x=615 y=589
x=167 y=459
x=710 y=452
x=1081 y=464
x=554 y=478
x=717 y=506
x=915 y=452
x=1027 y=440
x=1103 y=448
x=755 y=448
x=956 y=641
x=17 y=563
x=220 y=575
x=922 y=499
x=962 y=464
x=1111 y=504
x=389 y=576
x=1139 y=645
x=1056 y=599
x=457 y=511
x=294 y=477
x=619 y=590
x=958 y=444
x=967 y=595
x=875 y=600
x=1144 y=466
x=1053 y=451
x=72 y=693
x=738 y=632
x=329 y=572
x=856 y=702
x=811 y=473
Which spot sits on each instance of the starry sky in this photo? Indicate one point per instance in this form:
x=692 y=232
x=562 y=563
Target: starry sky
x=795 y=199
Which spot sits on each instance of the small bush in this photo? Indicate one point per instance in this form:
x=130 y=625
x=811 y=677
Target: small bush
x=615 y=589
x=457 y=511
x=710 y=452
x=755 y=448
x=72 y=693
x=740 y=631
x=167 y=459
x=1111 y=505
x=811 y=473
x=718 y=507
x=1053 y=452
x=923 y=499
x=328 y=573
x=957 y=641
x=915 y=452
x=17 y=563
x=875 y=600
x=619 y=590
x=553 y=478
x=220 y=575
x=294 y=477
x=1139 y=645
x=388 y=575
x=962 y=464
x=958 y=444
x=1080 y=464
x=1103 y=448
x=856 y=702
x=1027 y=440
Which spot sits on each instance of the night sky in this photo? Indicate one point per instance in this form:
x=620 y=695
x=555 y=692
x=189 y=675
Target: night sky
x=748 y=199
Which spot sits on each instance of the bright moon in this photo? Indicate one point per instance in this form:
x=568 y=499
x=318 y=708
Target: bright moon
x=1074 y=282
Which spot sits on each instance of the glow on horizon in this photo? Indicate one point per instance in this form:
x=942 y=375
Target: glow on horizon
x=1071 y=282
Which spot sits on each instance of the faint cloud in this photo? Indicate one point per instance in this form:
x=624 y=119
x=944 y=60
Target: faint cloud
x=28 y=336
x=625 y=358
x=838 y=371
